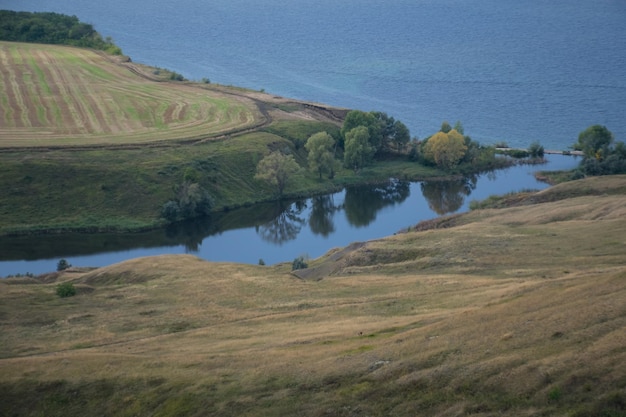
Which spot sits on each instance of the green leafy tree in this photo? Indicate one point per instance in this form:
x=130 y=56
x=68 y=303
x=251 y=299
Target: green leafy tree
x=276 y=169
x=446 y=149
x=458 y=126
x=594 y=142
x=445 y=127
x=356 y=118
x=321 y=157
x=191 y=201
x=52 y=28
x=401 y=135
x=358 y=152
x=62 y=265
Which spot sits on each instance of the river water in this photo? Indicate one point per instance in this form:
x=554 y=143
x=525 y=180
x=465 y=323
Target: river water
x=282 y=231
x=510 y=70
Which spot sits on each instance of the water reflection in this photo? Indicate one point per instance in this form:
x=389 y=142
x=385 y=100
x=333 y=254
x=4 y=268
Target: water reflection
x=190 y=234
x=448 y=196
x=311 y=226
x=286 y=225
x=323 y=211
x=362 y=203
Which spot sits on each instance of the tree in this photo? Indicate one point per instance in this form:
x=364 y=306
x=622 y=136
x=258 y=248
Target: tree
x=458 y=126
x=276 y=169
x=191 y=201
x=594 y=142
x=401 y=135
x=356 y=118
x=536 y=150
x=446 y=149
x=445 y=127
x=358 y=152
x=321 y=157
x=62 y=265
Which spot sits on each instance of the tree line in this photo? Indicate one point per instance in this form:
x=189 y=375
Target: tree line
x=52 y=28
x=366 y=136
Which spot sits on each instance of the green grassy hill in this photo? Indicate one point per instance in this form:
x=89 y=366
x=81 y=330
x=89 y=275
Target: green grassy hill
x=90 y=142
x=515 y=311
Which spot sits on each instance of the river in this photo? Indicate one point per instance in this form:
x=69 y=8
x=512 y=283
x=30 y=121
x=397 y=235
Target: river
x=509 y=70
x=282 y=231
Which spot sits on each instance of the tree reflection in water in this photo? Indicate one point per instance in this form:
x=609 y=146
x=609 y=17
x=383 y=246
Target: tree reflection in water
x=191 y=233
x=285 y=226
x=448 y=196
x=322 y=212
x=363 y=202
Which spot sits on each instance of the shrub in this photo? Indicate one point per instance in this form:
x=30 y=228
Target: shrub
x=515 y=153
x=299 y=263
x=66 y=290
x=62 y=265
x=536 y=150
x=261 y=262
x=170 y=211
x=174 y=76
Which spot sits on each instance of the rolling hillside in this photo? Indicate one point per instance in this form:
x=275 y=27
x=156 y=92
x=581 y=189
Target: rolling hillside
x=517 y=311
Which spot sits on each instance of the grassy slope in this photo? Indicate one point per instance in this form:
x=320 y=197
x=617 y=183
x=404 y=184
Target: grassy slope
x=56 y=95
x=119 y=179
x=512 y=311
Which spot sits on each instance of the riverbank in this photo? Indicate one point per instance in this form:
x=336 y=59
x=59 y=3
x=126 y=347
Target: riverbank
x=504 y=312
x=95 y=168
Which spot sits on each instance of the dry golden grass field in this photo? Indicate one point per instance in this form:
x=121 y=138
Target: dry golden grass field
x=518 y=311
x=57 y=95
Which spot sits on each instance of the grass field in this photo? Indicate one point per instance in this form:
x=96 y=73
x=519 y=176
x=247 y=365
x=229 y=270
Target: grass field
x=517 y=311
x=57 y=95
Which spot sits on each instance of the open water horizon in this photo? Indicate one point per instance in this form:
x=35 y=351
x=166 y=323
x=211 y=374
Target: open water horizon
x=509 y=70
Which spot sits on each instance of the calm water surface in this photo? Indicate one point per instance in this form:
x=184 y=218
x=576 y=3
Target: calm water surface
x=279 y=232
x=510 y=70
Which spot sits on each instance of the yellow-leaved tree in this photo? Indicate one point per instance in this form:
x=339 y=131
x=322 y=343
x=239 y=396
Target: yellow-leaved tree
x=446 y=149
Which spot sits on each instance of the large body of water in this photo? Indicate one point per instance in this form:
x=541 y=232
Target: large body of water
x=510 y=70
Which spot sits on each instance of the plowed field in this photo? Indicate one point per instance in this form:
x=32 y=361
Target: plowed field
x=55 y=95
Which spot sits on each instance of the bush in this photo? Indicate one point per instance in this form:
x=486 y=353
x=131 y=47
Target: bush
x=536 y=150
x=62 y=265
x=299 y=263
x=191 y=201
x=66 y=290
x=174 y=76
x=514 y=153
x=170 y=211
x=261 y=262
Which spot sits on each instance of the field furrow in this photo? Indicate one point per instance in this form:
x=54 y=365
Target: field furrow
x=5 y=93
x=14 y=92
x=37 y=110
x=57 y=105
x=56 y=95
x=71 y=122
